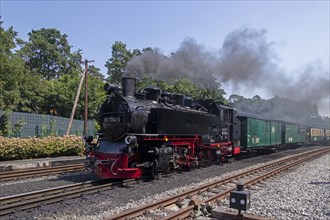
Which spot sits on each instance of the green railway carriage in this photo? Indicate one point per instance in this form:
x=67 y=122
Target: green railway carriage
x=294 y=134
x=276 y=133
x=258 y=134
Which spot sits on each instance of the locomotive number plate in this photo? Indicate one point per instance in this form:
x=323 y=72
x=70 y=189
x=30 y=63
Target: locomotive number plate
x=111 y=119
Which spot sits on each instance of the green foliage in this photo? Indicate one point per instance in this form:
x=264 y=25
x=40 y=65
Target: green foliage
x=61 y=95
x=95 y=73
x=96 y=94
x=48 y=54
x=18 y=148
x=52 y=128
x=18 y=127
x=5 y=125
x=120 y=56
x=62 y=92
x=20 y=90
x=8 y=38
x=44 y=128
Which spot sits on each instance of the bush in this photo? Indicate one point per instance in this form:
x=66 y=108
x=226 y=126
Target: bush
x=30 y=148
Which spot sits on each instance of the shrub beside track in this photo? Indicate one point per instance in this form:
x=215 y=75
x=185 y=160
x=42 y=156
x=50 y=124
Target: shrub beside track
x=30 y=148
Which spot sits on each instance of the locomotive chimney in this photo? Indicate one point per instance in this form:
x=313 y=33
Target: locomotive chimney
x=128 y=86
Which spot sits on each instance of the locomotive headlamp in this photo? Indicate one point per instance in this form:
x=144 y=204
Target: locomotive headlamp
x=130 y=140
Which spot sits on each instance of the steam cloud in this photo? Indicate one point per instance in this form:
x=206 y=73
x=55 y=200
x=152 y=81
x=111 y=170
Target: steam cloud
x=246 y=61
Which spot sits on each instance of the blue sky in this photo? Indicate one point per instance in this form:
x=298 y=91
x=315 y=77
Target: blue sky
x=299 y=29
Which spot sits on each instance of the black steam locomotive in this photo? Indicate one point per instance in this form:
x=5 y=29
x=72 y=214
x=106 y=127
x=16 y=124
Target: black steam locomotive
x=153 y=131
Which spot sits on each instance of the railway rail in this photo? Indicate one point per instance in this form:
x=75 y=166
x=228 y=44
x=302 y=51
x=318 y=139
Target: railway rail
x=187 y=199
x=34 y=199
x=186 y=204
x=37 y=172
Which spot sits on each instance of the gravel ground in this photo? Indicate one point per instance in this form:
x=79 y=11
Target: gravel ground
x=101 y=205
x=301 y=194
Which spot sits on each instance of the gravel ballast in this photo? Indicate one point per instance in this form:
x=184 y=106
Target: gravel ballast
x=303 y=193
x=102 y=205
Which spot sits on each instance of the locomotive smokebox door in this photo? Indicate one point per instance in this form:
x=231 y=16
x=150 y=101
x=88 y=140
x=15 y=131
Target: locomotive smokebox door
x=240 y=200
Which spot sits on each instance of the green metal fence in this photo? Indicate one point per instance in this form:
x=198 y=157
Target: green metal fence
x=20 y=124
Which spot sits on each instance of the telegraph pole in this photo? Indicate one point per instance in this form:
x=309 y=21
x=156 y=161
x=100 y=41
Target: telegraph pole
x=84 y=76
x=75 y=103
x=86 y=99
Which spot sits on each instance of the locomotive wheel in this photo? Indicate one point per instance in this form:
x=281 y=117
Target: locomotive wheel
x=154 y=175
x=200 y=156
x=209 y=156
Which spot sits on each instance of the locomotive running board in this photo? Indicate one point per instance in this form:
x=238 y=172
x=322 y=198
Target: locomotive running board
x=157 y=135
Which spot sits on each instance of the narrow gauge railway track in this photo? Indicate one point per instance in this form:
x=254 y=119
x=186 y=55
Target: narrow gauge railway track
x=37 y=172
x=183 y=205
x=34 y=199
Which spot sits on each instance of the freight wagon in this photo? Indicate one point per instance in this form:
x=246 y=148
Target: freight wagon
x=256 y=134
x=260 y=134
x=294 y=134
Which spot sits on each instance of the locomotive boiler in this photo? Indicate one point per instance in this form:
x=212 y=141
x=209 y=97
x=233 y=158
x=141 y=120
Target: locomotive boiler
x=150 y=131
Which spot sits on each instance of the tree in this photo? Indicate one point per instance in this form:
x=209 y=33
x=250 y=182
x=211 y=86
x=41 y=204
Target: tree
x=48 y=53
x=96 y=93
x=95 y=72
x=10 y=68
x=50 y=85
x=234 y=98
x=62 y=92
x=20 y=90
x=120 y=56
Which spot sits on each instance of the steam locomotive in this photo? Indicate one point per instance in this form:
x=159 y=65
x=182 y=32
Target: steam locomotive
x=151 y=131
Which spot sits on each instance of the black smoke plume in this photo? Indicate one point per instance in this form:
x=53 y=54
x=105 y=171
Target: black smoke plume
x=191 y=60
x=247 y=62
